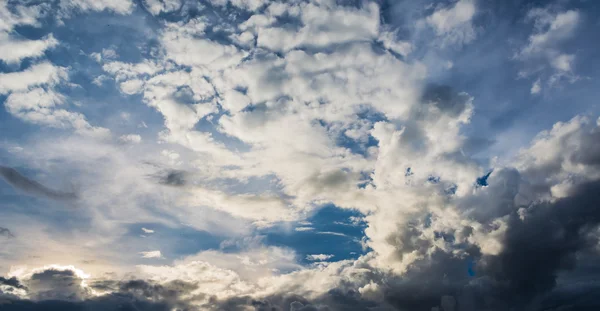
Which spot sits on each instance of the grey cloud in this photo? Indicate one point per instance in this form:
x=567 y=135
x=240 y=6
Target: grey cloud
x=537 y=249
x=60 y=290
x=445 y=98
x=32 y=187
x=332 y=301
x=13 y=282
x=545 y=243
x=174 y=178
x=589 y=149
x=56 y=285
x=7 y=233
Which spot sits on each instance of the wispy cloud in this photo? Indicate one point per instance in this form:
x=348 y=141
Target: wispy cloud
x=151 y=254
x=20 y=182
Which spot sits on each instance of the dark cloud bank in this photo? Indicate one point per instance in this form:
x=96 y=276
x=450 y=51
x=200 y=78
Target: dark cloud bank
x=549 y=262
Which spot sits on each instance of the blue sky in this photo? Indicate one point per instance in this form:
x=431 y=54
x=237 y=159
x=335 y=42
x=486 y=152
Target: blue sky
x=345 y=153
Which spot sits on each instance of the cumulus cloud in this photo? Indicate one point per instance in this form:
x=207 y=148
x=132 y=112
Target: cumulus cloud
x=13 y=50
x=117 y=6
x=258 y=113
x=545 y=45
x=32 y=98
x=159 y=6
x=454 y=24
x=43 y=73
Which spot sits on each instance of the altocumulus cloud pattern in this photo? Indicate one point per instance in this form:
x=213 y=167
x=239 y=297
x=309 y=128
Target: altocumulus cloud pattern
x=437 y=155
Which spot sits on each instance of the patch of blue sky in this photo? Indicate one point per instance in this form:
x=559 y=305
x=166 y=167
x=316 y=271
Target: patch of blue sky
x=80 y=37
x=330 y=231
x=483 y=180
x=60 y=217
x=173 y=242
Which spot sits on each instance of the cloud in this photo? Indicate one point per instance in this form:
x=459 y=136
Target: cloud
x=173 y=178
x=20 y=182
x=43 y=73
x=130 y=139
x=162 y=6
x=13 y=282
x=331 y=233
x=5 y=232
x=545 y=45
x=117 y=6
x=552 y=29
x=258 y=113
x=560 y=159
x=151 y=254
x=32 y=98
x=57 y=284
x=302 y=229
x=322 y=25
x=319 y=257
x=13 y=50
x=454 y=23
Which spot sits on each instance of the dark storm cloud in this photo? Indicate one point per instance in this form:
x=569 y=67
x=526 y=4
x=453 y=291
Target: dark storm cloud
x=54 y=284
x=545 y=242
x=539 y=245
x=334 y=300
x=13 y=282
x=52 y=290
x=111 y=302
x=18 y=181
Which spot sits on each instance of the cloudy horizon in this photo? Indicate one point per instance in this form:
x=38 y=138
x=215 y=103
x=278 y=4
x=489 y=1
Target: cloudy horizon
x=438 y=155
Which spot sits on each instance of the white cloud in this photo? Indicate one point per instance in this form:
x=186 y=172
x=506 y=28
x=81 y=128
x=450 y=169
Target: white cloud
x=13 y=50
x=39 y=74
x=159 y=6
x=20 y=15
x=319 y=257
x=536 y=88
x=551 y=30
x=331 y=233
x=454 y=24
x=560 y=159
x=323 y=25
x=117 y=6
x=147 y=230
x=31 y=97
x=303 y=229
x=151 y=254
x=251 y=5
x=130 y=138
x=389 y=41
x=39 y=106
x=294 y=118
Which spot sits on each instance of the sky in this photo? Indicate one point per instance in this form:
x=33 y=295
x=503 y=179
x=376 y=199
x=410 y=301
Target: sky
x=300 y=155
